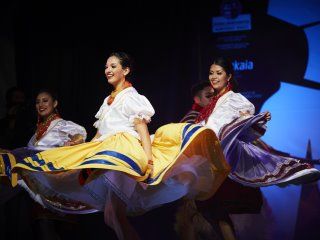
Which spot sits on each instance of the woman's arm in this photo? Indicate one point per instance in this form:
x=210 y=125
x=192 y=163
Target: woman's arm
x=142 y=129
x=74 y=140
x=96 y=136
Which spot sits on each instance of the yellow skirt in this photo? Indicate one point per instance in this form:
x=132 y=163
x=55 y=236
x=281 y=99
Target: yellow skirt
x=172 y=147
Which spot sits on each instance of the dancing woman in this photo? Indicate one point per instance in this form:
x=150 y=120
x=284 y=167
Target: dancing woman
x=231 y=116
x=120 y=171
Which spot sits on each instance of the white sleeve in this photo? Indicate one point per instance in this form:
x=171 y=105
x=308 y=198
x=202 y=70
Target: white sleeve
x=137 y=106
x=32 y=141
x=71 y=128
x=228 y=111
x=100 y=113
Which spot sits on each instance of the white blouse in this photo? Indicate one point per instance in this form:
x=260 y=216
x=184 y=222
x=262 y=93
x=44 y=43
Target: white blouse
x=57 y=134
x=227 y=109
x=119 y=116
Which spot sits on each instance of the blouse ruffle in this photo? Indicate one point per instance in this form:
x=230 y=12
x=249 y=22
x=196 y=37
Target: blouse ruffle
x=229 y=109
x=137 y=107
x=57 y=134
x=120 y=115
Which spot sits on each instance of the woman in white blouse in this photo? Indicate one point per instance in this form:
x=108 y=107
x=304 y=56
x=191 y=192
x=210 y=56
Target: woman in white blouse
x=231 y=116
x=52 y=131
x=120 y=172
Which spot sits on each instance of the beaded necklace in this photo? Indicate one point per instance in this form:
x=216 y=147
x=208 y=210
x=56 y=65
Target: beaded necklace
x=42 y=127
x=114 y=93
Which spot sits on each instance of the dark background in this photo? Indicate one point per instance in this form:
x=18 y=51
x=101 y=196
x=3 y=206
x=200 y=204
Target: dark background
x=65 y=46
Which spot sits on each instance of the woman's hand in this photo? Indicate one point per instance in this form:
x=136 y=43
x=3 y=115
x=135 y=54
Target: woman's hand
x=267 y=117
x=96 y=136
x=74 y=140
x=150 y=168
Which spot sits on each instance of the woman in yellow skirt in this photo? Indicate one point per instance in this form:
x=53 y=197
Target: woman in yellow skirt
x=121 y=171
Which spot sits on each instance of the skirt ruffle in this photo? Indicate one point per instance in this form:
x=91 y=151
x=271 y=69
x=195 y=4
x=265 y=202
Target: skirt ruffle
x=188 y=162
x=255 y=167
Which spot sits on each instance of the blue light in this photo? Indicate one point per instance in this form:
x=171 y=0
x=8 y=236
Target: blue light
x=298 y=12
x=313 y=67
x=295 y=119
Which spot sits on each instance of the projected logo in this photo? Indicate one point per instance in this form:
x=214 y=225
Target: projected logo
x=272 y=51
x=245 y=65
x=231 y=18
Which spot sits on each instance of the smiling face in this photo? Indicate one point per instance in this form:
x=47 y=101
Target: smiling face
x=115 y=72
x=218 y=78
x=45 y=105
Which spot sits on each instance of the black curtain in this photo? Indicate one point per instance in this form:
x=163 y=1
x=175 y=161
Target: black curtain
x=64 y=47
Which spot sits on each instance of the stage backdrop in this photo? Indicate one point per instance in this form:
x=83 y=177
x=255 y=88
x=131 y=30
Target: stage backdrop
x=275 y=49
x=274 y=46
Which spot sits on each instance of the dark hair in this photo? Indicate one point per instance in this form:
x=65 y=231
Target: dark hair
x=227 y=66
x=196 y=88
x=52 y=93
x=125 y=61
